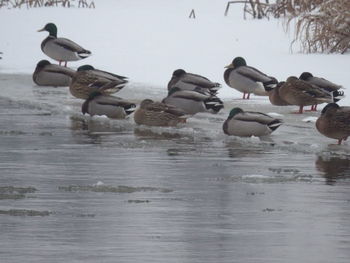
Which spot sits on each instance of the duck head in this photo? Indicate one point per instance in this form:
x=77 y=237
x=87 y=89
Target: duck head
x=85 y=105
x=51 y=28
x=179 y=73
x=43 y=63
x=237 y=62
x=305 y=76
x=85 y=67
x=330 y=107
x=145 y=102
x=234 y=111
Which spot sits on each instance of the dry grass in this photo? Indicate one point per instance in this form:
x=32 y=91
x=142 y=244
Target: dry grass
x=42 y=3
x=320 y=25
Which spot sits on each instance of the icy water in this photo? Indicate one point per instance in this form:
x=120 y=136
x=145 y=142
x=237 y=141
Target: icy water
x=81 y=189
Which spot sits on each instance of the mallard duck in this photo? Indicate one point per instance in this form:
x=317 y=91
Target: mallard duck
x=88 y=79
x=248 y=123
x=334 y=122
x=247 y=79
x=47 y=74
x=189 y=81
x=110 y=106
x=158 y=114
x=193 y=101
x=301 y=93
x=324 y=84
x=61 y=49
x=274 y=95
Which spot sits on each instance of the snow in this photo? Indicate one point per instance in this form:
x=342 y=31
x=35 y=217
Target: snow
x=148 y=40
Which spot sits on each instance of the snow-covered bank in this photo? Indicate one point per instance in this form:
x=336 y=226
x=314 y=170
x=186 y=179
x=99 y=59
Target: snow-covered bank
x=147 y=40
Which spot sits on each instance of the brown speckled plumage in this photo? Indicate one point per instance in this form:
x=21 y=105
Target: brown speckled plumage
x=334 y=122
x=158 y=114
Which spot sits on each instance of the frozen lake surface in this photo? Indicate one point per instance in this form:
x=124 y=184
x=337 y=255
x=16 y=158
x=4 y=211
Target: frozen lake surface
x=81 y=189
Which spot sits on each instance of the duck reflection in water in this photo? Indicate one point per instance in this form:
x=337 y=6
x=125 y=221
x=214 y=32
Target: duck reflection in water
x=333 y=168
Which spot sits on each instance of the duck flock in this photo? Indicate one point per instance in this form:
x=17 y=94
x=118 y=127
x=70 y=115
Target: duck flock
x=190 y=93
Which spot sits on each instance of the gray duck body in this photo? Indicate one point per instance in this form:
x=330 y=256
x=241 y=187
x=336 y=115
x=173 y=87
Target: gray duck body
x=192 y=101
x=61 y=49
x=247 y=79
x=189 y=81
x=247 y=123
x=110 y=106
x=47 y=74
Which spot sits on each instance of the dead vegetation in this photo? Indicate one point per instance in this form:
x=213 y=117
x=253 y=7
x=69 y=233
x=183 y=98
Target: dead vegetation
x=320 y=25
x=46 y=3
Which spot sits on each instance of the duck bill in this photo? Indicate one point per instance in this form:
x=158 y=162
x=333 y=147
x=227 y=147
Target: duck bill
x=41 y=30
x=229 y=66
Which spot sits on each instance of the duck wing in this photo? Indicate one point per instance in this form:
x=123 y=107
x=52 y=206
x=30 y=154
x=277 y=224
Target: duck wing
x=199 y=80
x=162 y=107
x=69 y=44
x=254 y=74
x=324 y=84
x=190 y=95
x=108 y=75
x=251 y=116
x=112 y=100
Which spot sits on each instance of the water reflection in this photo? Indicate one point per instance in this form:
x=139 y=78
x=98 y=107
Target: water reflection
x=333 y=168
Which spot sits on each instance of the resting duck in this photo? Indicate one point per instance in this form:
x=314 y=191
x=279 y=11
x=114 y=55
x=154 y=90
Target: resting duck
x=274 y=95
x=247 y=79
x=88 y=79
x=110 y=106
x=193 y=101
x=61 y=49
x=324 y=84
x=334 y=122
x=158 y=114
x=247 y=123
x=301 y=93
x=189 y=81
x=47 y=74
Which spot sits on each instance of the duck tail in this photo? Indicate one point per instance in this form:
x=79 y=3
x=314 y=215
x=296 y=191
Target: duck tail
x=275 y=124
x=129 y=108
x=338 y=95
x=213 y=104
x=84 y=53
x=271 y=84
x=214 y=90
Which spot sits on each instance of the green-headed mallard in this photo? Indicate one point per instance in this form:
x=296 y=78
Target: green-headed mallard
x=247 y=123
x=110 y=106
x=324 y=84
x=61 y=49
x=47 y=74
x=247 y=79
x=193 y=101
x=301 y=93
x=158 y=114
x=334 y=122
x=189 y=81
x=88 y=79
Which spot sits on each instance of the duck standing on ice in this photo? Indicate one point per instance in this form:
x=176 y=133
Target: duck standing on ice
x=247 y=79
x=61 y=49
